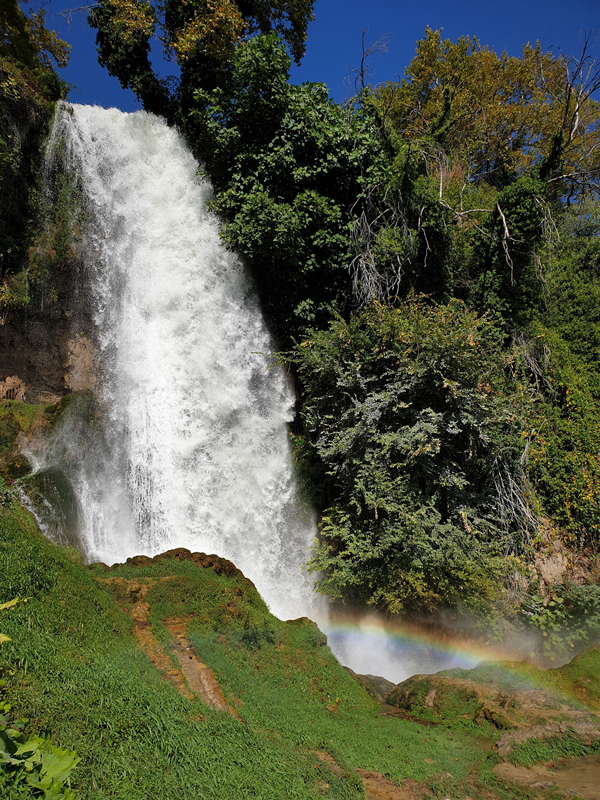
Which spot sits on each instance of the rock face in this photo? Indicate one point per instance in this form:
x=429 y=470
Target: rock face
x=47 y=349
x=506 y=696
x=374 y=685
x=221 y=566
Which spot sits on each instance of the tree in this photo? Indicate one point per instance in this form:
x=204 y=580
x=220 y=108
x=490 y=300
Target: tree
x=200 y=35
x=284 y=164
x=481 y=151
x=414 y=423
x=27 y=41
x=500 y=116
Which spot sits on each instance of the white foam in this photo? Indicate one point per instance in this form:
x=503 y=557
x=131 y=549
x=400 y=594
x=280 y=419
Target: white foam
x=192 y=449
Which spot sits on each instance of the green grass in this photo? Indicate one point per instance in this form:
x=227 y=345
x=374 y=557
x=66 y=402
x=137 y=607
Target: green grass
x=536 y=750
x=74 y=669
x=17 y=417
x=80 y=677
x=293 y=688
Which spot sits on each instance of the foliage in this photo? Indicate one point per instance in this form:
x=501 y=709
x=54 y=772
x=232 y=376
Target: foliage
x=200 y=35
x=28 y=88
x=54 y=246
x=31 y=761
x=283 y=161
x=499 y=115
x=496 y=141
x=3 y=607
x=413 y=417
x=565 y=440
x=571 y=292
x=27 y=41
x=569 y=618
x=23 y=418
x=400 y=231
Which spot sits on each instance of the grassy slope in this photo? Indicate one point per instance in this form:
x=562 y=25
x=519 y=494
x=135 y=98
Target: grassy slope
x=78 y=674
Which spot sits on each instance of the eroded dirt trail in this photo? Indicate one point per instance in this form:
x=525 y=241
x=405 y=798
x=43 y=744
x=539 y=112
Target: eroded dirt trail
x=193 y=678
x=200 y=678
x=579 y=777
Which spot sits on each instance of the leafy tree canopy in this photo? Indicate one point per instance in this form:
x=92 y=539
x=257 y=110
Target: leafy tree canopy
x=501 y=116
x=284 y=161
x=412 y=419
x=200 y=35
x=27 y=41
x=482 y=150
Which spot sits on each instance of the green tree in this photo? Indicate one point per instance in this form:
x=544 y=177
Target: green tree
x=482 y=149
x=414 y=424
x=284 y=162
x=502 y=116
x=200 y=35
x=27 y=41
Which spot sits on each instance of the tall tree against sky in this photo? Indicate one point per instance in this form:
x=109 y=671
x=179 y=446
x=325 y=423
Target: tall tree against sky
x=501 y=115
x=199 y=35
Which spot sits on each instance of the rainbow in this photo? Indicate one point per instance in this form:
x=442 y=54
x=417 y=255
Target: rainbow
x=397 y=650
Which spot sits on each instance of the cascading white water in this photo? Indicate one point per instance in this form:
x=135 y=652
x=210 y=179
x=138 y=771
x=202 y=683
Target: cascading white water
x=186 y=442
x=192 y=448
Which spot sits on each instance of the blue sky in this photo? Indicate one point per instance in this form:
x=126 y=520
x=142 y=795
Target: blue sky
x=334 y=38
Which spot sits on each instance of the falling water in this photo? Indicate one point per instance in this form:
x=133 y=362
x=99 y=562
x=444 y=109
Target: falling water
x=187 y=444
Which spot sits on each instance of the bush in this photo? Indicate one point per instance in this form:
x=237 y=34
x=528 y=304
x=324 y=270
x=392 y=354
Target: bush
x=412 y=416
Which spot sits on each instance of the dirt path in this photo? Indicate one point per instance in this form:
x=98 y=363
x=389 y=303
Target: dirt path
x=194 y=677
x=200 y=678
x=580 y=777
x=377 y=787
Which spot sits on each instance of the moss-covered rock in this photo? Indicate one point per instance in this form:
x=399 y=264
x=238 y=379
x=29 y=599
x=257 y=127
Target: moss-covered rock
x=15 y=468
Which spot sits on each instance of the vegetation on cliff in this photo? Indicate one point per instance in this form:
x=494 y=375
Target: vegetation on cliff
x=415 y=423
x=430 y=476
x=29 y=87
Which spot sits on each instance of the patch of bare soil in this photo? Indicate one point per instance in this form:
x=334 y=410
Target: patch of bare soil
x=201 y=679
x=194 y=677
x=576 y=777
x=330 y=760
x=377 y=787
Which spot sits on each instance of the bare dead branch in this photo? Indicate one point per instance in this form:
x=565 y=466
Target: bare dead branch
x=68 y=13
x=506 y=238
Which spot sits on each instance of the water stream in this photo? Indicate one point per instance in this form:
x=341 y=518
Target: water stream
x=187 y=444
x=184 y=442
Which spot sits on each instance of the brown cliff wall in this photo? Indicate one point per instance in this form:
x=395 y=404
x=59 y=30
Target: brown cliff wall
x=49 y=345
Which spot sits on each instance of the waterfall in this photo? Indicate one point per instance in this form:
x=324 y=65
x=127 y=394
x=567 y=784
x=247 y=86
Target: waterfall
x=185 y=443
